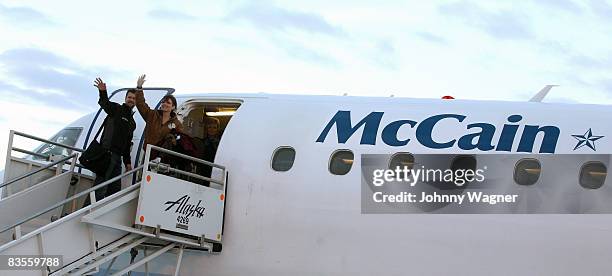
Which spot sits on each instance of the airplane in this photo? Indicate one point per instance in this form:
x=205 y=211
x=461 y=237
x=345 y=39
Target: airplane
x=295 y=192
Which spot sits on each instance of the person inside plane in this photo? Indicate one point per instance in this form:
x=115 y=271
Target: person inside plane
x=119 y=127
x=161 y=125
x=207 y=147
x=211 y=141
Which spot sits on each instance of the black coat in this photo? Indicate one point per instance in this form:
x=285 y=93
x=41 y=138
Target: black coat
x=119 y=127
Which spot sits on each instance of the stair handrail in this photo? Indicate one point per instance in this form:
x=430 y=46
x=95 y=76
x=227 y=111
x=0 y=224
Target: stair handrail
x=39 y=170
x=148 y=162
x=11 y=148
x=13 y=132
x=61 y=203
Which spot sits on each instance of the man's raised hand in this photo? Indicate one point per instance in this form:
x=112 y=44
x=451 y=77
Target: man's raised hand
x=140 y=81
x=100 y=84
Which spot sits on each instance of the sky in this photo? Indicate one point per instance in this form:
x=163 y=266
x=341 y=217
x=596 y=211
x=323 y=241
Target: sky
x=51 y=51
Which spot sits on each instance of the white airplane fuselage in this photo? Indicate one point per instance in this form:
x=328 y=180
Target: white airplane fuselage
x=307 y=221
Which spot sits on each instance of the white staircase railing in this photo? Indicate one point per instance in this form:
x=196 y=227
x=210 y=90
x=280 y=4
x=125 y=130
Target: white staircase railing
x=20 y=172
x=32 y=184
x=108 y=228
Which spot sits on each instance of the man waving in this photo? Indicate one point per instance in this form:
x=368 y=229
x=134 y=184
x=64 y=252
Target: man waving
x=119 y=127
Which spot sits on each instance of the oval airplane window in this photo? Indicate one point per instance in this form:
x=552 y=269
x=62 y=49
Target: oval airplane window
x=463 y=163
x=593 y=175
x=527 y=171
x=401 y=160
x=282 y=159
x=341 y=162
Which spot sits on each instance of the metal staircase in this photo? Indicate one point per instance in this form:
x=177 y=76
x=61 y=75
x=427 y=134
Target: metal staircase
x=89 y=237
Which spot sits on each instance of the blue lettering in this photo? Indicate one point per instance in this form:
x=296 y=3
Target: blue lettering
x=389 y=133
x=506 y=139
x=485 y=138
x=549 y=142
x=425 y=129
x=342 y=120
x=481 y=140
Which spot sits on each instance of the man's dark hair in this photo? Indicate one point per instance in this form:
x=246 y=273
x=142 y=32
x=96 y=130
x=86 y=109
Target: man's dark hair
x=172 y=99
x=133 y=91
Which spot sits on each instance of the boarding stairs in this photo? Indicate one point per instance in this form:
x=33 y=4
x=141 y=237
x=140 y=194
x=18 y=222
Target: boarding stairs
x=168 y=211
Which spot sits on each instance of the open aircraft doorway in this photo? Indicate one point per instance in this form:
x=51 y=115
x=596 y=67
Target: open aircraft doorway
x=205 y=122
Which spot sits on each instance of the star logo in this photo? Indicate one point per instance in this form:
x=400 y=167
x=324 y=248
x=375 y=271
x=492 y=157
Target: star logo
x=588 y=139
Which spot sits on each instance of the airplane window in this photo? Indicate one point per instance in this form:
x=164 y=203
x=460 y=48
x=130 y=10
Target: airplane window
x=527 y=171
x=401 y=159
x=67 y=136
x=282 y=159
x=341 y=162
x=593 y=175
x=463 y=162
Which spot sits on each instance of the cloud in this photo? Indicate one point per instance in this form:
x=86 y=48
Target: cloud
x=499 y=24
x=278 y=25
x=24 y=15
x=601 y=8
x=431 y=37
x=170 y=15
x=555 y=47
x=386 y=54
x=298 y=51
x=40 y=76
x=606 y=85
x=563 y=5
x=589 y=62
x=271 y=18
x=386 y=46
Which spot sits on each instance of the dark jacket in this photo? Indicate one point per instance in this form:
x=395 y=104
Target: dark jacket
x=210 y=148
x=119 y=127
x=155 y=131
